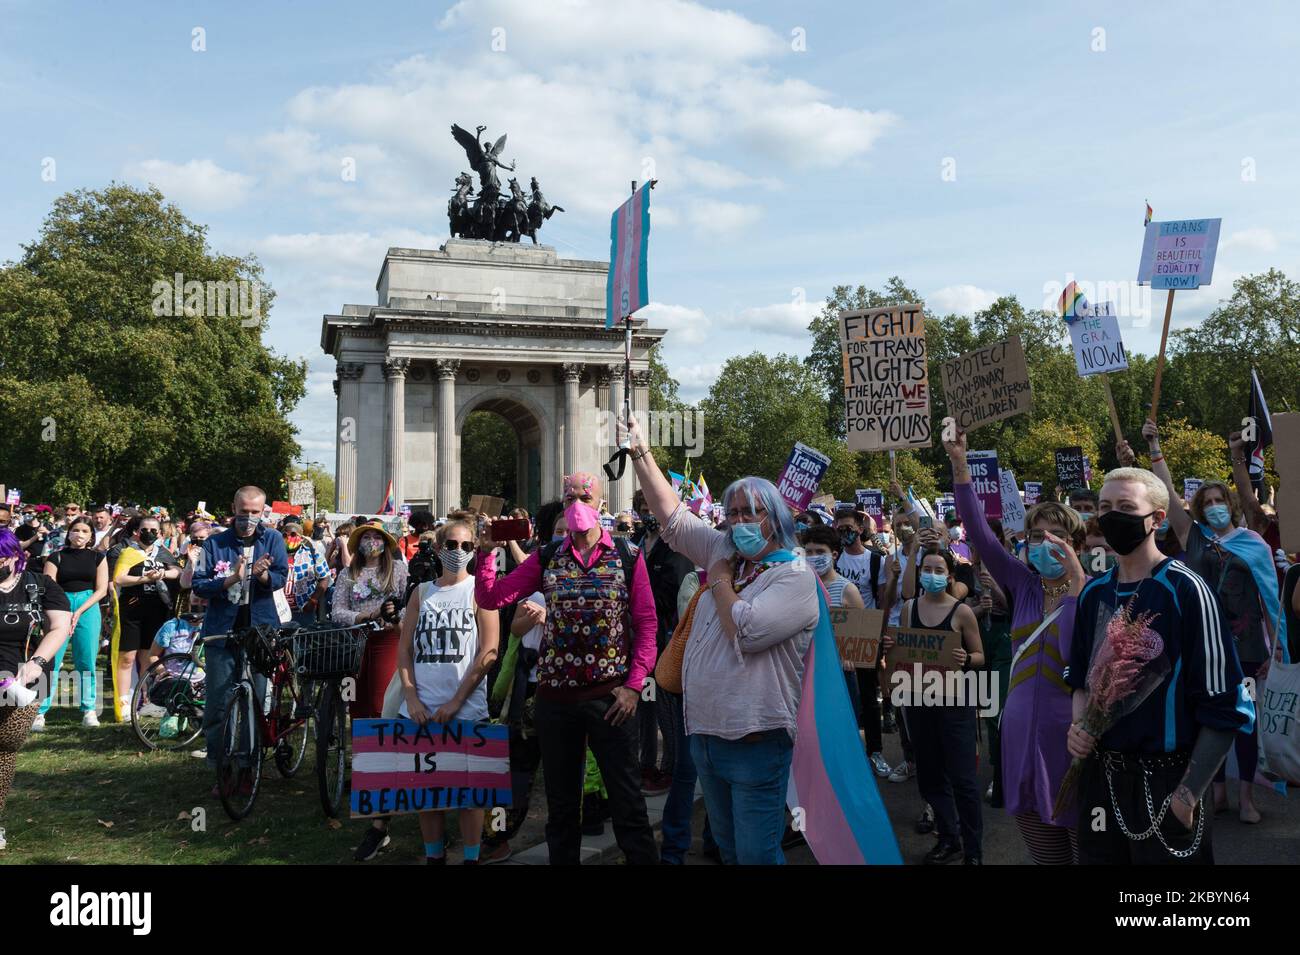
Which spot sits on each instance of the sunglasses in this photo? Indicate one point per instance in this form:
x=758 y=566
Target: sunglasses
x=466 y=546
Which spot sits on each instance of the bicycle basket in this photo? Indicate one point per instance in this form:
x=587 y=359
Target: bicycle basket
x=329 y=654
x=258 y=644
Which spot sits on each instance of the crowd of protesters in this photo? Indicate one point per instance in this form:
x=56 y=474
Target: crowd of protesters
x=557 y=632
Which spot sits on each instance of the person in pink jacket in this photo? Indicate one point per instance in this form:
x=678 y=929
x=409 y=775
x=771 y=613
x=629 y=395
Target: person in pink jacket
x=598 y=649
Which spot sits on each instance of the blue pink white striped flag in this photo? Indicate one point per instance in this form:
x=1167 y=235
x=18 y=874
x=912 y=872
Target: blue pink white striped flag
x=627 y=288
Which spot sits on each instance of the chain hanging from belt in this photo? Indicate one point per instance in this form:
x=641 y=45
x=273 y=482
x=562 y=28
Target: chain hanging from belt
x=1199 y=811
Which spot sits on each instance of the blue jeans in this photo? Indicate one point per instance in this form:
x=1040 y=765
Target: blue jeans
x=744 y=790
x=680 y=804
x=219 y=666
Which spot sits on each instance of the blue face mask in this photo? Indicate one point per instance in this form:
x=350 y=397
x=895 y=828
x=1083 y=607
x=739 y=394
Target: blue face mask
x=820 y=563
x=556 y=538
x=800 y=526
x=748 y=538
x=1040 y=556
x=1163 y=529
x=1219 y=516
x=933 y=583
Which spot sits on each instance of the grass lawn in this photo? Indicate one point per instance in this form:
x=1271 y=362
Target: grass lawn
x=97 y=796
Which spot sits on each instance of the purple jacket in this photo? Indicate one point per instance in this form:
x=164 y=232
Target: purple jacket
x=1036 y=715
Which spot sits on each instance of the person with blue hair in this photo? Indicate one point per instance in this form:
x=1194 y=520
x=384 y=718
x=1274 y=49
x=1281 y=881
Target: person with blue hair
x=742 y=668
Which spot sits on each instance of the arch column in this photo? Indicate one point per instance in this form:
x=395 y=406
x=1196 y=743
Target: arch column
x=448 y=465
x=571 y=372
x=347 y=386
x=395 y=378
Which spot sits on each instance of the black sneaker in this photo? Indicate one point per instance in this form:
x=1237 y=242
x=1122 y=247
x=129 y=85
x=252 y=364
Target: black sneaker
x=973 y=860
x=435 y=860
x=469 y=861
x=371 y=843
x=942 y=854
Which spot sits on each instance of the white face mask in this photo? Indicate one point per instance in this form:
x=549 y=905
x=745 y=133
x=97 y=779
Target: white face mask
x=455 y=560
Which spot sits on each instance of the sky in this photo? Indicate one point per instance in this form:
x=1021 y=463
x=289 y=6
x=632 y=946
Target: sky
x=972 y=150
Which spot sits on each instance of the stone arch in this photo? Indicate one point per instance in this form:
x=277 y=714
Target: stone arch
x=534 y=428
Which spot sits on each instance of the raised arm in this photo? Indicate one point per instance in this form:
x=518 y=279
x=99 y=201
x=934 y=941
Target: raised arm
x=493 y=594
x=1005 y=569
x=1180 y=522
x=659 y=494
x=1256 y=519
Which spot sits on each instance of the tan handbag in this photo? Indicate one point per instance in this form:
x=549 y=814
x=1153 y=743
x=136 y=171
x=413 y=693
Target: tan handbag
x=668 y=670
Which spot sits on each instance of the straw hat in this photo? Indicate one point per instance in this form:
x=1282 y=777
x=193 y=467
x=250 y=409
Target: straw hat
x=355 y=538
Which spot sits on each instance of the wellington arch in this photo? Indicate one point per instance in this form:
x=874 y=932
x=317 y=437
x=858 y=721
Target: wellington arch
x=478 y=326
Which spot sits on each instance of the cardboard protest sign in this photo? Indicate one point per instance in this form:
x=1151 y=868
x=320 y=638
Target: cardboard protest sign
x=1013 y=508
x=1179 y=254
x=886 y=378
x=1286 y=448
x=984 y=476
x=825 y=500
x=802 y=476
x=1033 y=492
x=930 y=649
x=1190 y=487
x=1069 y=467
x=857 y=634
x=1098 y=346
x=987 y=384
x=871 y=500
x=400 y=766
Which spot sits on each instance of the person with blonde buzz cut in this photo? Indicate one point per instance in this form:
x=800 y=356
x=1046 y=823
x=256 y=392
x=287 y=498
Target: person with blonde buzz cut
x=1147 y=772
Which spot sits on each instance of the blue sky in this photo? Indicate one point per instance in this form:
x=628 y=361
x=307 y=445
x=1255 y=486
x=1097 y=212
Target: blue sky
x=783 y=171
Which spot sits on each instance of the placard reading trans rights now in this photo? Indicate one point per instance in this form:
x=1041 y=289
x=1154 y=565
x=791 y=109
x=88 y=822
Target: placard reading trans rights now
x=400 y=766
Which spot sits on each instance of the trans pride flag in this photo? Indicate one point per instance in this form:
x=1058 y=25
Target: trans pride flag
x=845 y=822
x=627 y=288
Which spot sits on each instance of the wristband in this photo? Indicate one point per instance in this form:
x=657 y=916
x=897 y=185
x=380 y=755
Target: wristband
x=1157 y=458
x=1238 y=460
x=638 y=457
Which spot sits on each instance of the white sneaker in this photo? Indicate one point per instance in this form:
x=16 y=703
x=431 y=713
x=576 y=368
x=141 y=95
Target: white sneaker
x=879 y=765
x=152 y=711
x=38 y=724
x=2 y=839
x=902 y=772
x=199 y=753
x=89 y=718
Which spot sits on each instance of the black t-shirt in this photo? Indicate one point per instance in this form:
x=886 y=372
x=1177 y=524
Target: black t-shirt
x=1288 y=608
x=77 y=568
x=138 y=600
x=1202 y=682
x=25 y=532
x=20 y=611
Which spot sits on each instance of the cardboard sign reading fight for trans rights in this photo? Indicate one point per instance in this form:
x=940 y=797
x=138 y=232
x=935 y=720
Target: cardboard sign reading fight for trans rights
x=987 y=384
x=886 y=378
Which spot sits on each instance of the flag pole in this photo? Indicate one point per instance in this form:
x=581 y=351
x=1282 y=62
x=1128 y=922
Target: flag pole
x=1160 y=361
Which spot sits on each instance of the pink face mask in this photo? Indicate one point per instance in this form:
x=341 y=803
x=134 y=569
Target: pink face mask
x=581 y=517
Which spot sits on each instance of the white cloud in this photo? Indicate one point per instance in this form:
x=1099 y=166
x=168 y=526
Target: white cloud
x=686 y=326
x=346 y=252
x=960 y=299
x=694 y=381
x=199 y=183
x=715 y=217
x=1251 y=240
x=784 y=318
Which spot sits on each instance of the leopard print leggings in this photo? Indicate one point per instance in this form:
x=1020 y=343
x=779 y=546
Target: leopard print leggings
x=14 y=725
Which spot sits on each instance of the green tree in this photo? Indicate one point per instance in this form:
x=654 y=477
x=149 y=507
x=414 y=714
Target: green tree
x=321 y=479
x=489 y=452
x=103 y=395
x=755 y=412
x=1192 y=452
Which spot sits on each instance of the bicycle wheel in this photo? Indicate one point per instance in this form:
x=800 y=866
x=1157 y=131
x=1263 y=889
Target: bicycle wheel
x=291 y=722
x=237 y=784
x=167 y=704
x=331 y=748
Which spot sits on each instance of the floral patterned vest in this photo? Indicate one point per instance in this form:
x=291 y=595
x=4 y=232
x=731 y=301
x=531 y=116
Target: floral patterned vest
x=587 y=622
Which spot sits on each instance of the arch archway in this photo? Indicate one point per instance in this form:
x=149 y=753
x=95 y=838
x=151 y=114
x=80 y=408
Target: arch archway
x=482 y=425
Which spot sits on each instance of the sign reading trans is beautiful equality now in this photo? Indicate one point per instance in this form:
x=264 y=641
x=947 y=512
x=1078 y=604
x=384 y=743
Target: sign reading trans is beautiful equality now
x=627 y=288
x=400 y=766
x=1179 y=254
x=886 y=378
x=1098 y=346
x=802 y=476
x=987 y=384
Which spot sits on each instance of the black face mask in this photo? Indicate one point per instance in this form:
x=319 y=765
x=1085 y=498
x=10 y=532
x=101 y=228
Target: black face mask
x=148 y=537
x=1124 y=532
x=650 y=523
x=5 y=571
x=848 y=536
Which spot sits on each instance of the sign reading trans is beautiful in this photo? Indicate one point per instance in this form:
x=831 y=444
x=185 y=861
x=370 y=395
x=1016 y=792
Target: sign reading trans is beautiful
x=886 y=378
x=1179 y=254
x=400 y=766
x=627 y=287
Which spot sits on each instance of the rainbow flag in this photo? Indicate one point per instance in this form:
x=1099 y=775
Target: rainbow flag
x=1147 y=221
x=1072 y=302
x=831 y=784
x=390 y=502
x=701 y=498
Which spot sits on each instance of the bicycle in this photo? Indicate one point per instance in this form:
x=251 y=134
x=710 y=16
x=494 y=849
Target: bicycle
x=284 y=728
x=328 y=656
x=173 y=688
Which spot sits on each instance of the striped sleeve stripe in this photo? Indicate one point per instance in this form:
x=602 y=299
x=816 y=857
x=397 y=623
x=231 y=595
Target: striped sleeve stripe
x=1216 y=669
